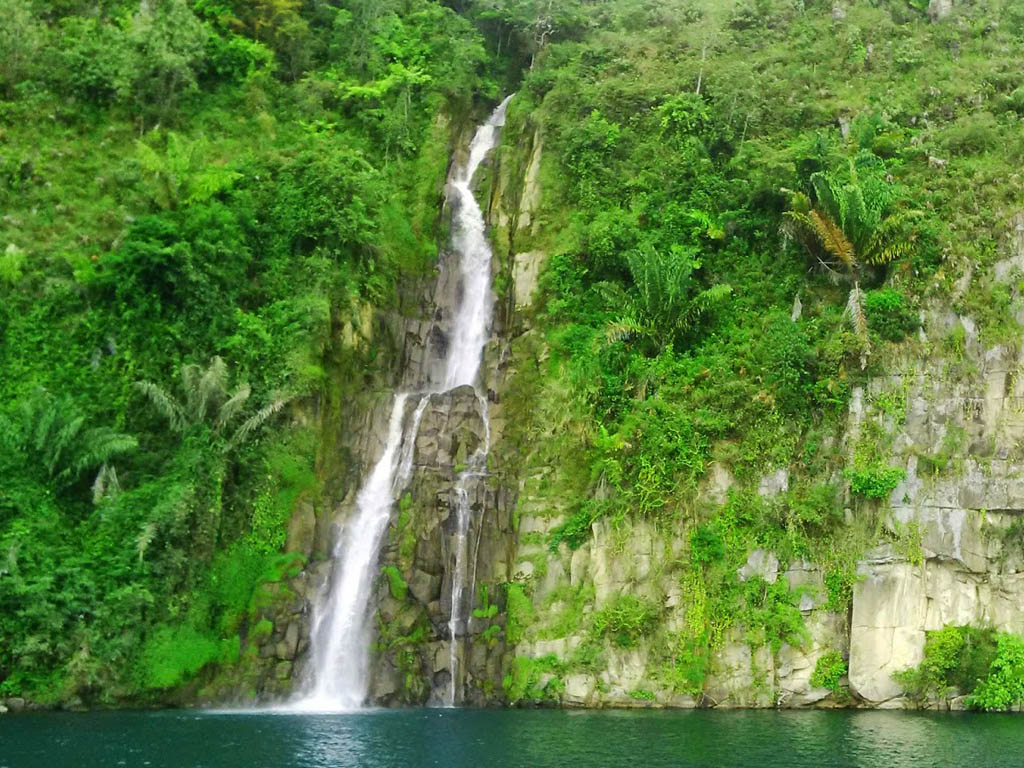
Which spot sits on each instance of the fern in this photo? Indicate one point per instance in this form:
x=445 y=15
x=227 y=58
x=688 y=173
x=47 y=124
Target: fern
x=859 y=321
x=665 y=301
x=51 y=433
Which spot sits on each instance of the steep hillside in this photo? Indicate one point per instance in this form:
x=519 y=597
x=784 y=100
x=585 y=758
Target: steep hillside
x=753 y=374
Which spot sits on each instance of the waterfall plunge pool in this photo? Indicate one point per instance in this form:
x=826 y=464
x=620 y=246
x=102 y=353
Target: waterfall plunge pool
x=455 y=738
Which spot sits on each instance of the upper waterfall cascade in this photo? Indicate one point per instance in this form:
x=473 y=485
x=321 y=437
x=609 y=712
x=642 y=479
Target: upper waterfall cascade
x=339 y=673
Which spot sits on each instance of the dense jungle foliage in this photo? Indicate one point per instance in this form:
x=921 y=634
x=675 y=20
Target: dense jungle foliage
x=746 y=205
x=751 y=207
x=194 y=194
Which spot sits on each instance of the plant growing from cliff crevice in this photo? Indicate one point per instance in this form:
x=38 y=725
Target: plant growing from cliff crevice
x=850 y=225
x=666 y=300
x=518 y=613
x=626 y=620
x=828 y=670
x=874 y=481
x=955 y=658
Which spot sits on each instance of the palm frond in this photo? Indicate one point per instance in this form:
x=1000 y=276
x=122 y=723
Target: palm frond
x=106 y=485
x=832 y=238
x=858 y=319
x=884 y=254
x=165 y=405
x=708 y=299
x=190 y=377
x=145 y=538
x=622 y=330
x=233 y=405
x=212 y=387
x=253 y=423
x=60 y=441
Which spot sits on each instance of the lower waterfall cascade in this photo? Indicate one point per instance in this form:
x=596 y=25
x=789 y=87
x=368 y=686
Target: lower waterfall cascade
x=338 y=675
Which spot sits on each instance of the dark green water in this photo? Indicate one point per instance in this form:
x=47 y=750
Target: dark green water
x=519 y=739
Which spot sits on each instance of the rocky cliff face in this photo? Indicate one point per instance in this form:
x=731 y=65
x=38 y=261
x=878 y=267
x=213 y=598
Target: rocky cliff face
x=944 y=548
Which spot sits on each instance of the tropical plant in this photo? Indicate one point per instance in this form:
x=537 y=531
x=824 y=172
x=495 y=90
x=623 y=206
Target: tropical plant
x=51 y=434
x=666 y=299
x=208 y=402
x=851 y=224
x=180 y=174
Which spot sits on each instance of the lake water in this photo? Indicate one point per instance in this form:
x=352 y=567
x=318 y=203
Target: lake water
x=512 y=739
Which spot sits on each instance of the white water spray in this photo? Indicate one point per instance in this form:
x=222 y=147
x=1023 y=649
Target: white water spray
x=340 y=635
x=472 y=322
x=340 y=638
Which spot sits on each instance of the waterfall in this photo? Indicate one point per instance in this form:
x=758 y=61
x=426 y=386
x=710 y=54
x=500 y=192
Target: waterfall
x=339 y=673
x=340 y=635
x=476 y=470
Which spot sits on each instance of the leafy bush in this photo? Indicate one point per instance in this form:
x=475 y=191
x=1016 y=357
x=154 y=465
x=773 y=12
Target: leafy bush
x=828 y=670
x=875 y=481
x=955 y=658
x=1003 y=688
x=626 y=620
x=398 y=586
x=706 y=546
x=575 y=531
x=889 y=315
x=518 y=613
x=172 y=655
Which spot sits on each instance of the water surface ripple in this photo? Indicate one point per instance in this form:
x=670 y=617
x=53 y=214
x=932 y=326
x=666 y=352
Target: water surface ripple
x=512 y=739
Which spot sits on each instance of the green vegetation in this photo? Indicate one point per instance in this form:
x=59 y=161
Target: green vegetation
x=626 y=620
x=398 y=587
x=985 y=665
x=518 y=613
x=828 y=670
x=745 y=207
x=956 y=658
x=195 y=194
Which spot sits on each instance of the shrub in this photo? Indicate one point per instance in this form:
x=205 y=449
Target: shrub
x=518 y=613
x=173 y=655
x=889 y=315
x=875 y=481
x=706 y=546
x=398 y=586
x=626 y=620
x=955 y=657
x=829 y=668
x=1004 y=685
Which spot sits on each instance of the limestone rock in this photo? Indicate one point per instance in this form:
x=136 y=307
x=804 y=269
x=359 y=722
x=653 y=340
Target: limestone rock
x=939 y=9
x=887 y=631
x=526 y=271
x=762 y=564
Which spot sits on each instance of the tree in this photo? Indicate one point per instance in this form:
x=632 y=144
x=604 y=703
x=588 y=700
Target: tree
x=666 y=299
x=851 y=224
x=169 y=45
x=50 y=434
x=535 y=22
x=21 y=38
x=209 y=403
